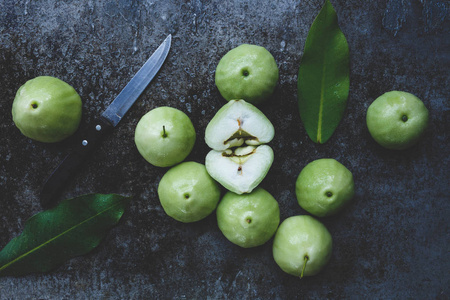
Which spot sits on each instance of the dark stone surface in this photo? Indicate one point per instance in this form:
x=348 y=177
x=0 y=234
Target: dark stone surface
x=392 y=243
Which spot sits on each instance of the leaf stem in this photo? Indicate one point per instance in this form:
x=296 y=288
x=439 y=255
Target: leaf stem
x=304 y=265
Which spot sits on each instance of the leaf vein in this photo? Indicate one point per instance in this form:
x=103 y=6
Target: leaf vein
x=322 y=99
x=56 y=237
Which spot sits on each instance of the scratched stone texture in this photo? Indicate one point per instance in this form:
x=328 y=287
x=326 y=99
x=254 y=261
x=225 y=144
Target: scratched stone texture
x=391 y=243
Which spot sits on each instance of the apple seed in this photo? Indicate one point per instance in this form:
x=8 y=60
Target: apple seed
x=237 y=134
x=239 y=170
x=240 y=137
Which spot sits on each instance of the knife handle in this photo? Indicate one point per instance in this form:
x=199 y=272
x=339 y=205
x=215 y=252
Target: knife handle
x=67 y=168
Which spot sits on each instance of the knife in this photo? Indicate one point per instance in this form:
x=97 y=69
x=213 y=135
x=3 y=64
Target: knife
x=104 y=124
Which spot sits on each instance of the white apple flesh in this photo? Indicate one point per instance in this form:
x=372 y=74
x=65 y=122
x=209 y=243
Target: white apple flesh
x=237 y=134
x=241 y=170
x=238 y=123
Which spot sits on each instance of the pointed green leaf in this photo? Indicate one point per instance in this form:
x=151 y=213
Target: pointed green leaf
x=323 y=77
x=74 y=227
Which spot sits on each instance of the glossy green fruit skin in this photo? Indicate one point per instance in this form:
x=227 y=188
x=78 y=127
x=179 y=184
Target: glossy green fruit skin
x=397 y=120
x=301 y=236
x=248 y=220
x=47 y=109
x=247 y=72
x=165 y=136
x=187 y=193
x=324 y=187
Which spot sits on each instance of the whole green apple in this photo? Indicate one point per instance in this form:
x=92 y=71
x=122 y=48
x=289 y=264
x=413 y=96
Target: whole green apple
x=187 y=193
x=397 y=120
x=302 y=246
x=47 y=109
x=247 y=72
x=324 y=187
x=248 y=220
x=164 y=136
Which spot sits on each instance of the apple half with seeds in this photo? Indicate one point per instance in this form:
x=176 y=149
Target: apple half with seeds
x=237 y=123
x=239 y=159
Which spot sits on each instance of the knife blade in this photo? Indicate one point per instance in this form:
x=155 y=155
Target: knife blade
x=103 y=125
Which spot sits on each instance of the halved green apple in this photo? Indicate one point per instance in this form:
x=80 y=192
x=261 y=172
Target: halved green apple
x=237 y=134
x=240 y=170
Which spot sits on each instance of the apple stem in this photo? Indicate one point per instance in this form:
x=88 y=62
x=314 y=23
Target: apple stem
x=164 y=131
x=304 y=266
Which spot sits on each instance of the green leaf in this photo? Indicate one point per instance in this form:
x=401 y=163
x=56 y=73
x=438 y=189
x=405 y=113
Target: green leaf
x=323 y=77
x=74 y=227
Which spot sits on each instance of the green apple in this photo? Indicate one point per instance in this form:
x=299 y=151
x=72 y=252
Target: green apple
x=165 y=136
x=248 y=220
x=47 y=109
x=397 y=120
x=302 y=246
x=187 y=193
x=247 y=72
x=324 y=187
x=240 y=160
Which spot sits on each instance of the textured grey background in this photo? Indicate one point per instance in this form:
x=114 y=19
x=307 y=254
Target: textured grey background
x=392 y=243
